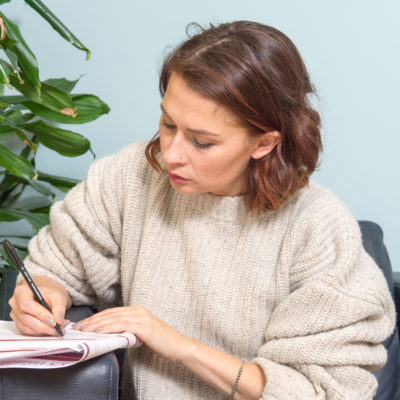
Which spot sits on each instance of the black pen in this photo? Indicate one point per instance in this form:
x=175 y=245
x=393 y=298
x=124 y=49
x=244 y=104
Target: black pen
x=12 y=253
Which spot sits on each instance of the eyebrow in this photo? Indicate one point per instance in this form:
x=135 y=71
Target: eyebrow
x=190 y=130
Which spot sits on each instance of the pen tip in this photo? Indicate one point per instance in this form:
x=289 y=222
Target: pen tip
x=59 y=331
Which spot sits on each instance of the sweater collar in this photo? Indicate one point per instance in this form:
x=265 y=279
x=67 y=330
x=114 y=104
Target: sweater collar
x=222 y=208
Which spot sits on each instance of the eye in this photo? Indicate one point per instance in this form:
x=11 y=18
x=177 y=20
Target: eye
x=167 y=125
x=202 y=145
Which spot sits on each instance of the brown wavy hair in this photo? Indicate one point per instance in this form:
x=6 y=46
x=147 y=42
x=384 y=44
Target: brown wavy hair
x=257 y=73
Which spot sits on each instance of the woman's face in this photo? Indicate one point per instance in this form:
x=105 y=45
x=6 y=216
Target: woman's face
x=203 y=146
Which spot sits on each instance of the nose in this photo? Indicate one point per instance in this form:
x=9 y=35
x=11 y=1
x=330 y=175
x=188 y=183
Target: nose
x=173 y=152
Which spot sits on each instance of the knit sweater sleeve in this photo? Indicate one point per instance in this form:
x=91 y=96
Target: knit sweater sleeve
x=81 y=246
x=323 y=339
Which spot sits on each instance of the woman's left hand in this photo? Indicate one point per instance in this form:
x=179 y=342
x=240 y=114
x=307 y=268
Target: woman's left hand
x=156 y=334
x=215 y=367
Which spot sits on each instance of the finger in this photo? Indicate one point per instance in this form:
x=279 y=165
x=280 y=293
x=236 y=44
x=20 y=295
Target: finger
x=116 y=312
x=26 y=330
x=122 y=326
x=58 y=307
x=29 y=307
x=89 y=324
x=120 y=310
x=95 y=318
x=21 y=292
x=114 y=327
x=29 y=324
x=123 y=323
x=108 y=312
x=24 y=305
x=66 y=322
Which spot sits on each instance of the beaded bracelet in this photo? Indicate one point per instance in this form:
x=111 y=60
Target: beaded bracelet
x=235 y=385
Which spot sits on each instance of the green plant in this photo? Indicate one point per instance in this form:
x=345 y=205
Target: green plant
x=30 y=117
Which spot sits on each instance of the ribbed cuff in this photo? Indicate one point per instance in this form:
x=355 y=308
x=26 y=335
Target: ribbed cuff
x=284 y=383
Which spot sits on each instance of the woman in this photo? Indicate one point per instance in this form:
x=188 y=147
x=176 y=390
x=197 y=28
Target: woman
x=241 y=278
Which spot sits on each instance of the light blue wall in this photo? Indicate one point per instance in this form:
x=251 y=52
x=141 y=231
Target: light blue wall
x=351 y=49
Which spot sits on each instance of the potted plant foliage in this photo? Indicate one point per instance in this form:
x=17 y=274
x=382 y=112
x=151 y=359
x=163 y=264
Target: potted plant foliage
x=32 y=116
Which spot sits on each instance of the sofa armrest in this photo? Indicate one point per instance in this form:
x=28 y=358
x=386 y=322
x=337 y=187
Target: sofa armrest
x=92 y=379
x=396 y=279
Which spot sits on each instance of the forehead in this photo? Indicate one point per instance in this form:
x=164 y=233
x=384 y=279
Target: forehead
x=182 y=103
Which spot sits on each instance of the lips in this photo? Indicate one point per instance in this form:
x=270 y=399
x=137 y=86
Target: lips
x=176 y=178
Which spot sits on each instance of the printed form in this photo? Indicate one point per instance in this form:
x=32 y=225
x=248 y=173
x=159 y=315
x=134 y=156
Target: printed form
x=19 y=351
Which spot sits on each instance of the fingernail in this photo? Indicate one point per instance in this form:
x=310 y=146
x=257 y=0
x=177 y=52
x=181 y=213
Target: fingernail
x=51 y=322
x=98 y=329
x=66 y=322
x=84 y=326
x=60 y=316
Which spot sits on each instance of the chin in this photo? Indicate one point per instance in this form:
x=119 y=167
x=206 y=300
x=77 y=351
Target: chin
x=186 y=189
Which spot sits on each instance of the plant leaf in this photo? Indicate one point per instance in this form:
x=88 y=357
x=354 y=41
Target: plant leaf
x=9 y=188
x=6 y=134
x=66 y=143
x=7 y=260
x=50 y=97
x=24 y=117
x=89 y=108
x=59 y=182
x=18 y=117
x=36 y=220
x=22 y=136
x=4 y=76
x=42 y=210
x=57 y=25
x=57 y=100
x=10 y=122
x=8 y=217
x=7 y=119
x=5 y=129
x=14 y=115
x=10 y=180
x=62 y=84
x=15 y=43
x=22 y=251
x=13 y=99
x=12 y=57
x=16 y=236
x=17 y=165
x=20 y=82
x=42 y=189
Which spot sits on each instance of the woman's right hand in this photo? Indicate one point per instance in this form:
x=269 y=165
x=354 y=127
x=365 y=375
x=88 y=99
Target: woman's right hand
x=33 y=319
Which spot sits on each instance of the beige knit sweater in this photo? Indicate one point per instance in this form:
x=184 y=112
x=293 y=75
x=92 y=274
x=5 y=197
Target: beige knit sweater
x=292 y=291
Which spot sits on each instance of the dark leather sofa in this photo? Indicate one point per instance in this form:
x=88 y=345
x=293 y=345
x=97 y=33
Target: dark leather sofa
x=98 y=378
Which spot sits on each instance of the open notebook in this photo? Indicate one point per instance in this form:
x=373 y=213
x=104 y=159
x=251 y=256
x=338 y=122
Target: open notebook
x=18 y=351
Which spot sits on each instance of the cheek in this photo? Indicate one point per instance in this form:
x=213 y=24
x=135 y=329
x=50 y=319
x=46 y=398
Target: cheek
x=226 y=164
x=236 y=158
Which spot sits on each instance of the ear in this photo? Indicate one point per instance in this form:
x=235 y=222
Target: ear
x=266 y=144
